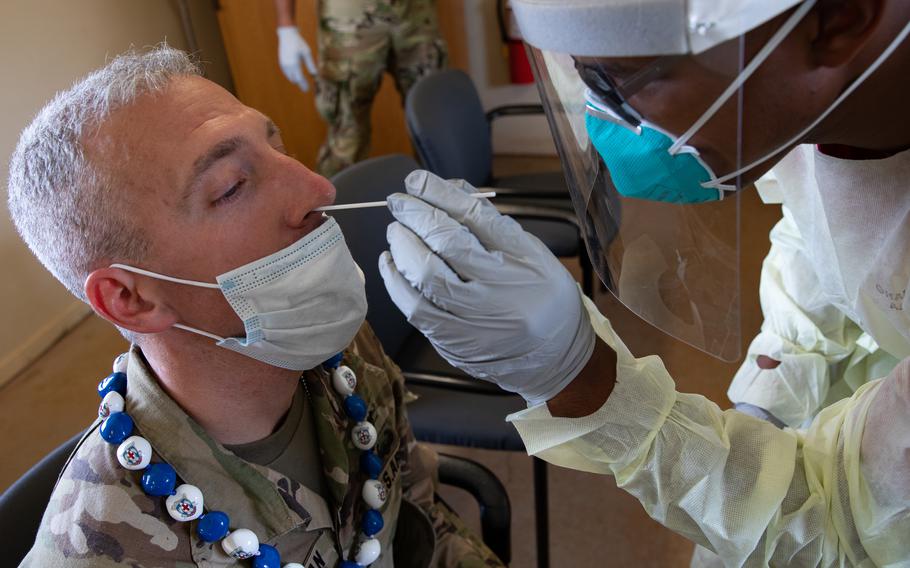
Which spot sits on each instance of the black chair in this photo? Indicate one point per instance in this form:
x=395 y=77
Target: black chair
x=452 y=136
x=22 y=505
x=452 y=408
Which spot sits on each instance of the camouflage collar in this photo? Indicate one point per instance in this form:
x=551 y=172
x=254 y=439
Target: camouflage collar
x=251 y=494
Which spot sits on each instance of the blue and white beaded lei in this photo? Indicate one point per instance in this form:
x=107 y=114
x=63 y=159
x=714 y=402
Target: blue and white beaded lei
x=185 y=502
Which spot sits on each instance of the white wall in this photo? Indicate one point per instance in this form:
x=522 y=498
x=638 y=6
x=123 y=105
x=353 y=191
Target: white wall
x=44 y=46
x=512 y=135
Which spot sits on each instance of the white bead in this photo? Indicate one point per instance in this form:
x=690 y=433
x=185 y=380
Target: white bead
x=111 y=403
x=344 y=380
x=369 y=552
x=363 y=434
x=374 y=493
x=241 y=544
x=120 y=362
x=293 y=565
x=134 y=453
x=186 y=503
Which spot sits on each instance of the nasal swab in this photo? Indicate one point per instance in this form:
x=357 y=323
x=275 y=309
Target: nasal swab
x=383 y=203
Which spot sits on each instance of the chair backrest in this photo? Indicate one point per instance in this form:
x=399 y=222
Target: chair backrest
x=364 y=232
x=448 y=127
x=23 y=504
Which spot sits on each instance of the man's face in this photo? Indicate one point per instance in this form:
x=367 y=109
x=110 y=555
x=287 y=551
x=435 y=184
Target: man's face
x=208 y=180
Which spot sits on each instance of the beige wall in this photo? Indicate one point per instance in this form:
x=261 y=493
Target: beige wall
x=44 y=46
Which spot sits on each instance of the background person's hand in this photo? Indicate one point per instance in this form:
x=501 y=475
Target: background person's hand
x=491 y=298
x=292 y=50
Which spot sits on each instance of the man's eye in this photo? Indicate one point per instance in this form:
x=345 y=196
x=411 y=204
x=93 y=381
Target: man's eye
x=231 y=194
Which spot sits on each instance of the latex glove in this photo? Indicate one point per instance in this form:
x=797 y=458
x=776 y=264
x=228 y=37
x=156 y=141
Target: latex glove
x=292 y=48
x=491 y=298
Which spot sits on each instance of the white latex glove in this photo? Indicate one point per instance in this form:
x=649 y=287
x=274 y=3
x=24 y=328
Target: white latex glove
x=292 y=48
x=491 y=298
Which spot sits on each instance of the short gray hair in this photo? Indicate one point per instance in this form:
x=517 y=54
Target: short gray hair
x=64 y=205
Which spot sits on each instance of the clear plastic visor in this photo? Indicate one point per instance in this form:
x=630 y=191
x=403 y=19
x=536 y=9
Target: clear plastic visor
x=675 y=265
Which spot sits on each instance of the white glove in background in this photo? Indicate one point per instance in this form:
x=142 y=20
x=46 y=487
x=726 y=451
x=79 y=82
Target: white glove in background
x=292 y=49
x=491 y=298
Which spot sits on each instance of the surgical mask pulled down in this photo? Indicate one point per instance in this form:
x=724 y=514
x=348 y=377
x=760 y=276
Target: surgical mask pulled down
x=299 y=306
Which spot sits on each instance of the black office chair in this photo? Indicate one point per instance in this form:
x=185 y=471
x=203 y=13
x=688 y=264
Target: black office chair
x=23 y=504
x=452 y=136
x=452 y=408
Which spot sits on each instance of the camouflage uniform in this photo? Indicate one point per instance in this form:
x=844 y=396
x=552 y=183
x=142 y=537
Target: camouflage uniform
x=358 y=41
x=98 y=515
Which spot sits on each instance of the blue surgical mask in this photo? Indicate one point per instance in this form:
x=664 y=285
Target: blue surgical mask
x=299 y=306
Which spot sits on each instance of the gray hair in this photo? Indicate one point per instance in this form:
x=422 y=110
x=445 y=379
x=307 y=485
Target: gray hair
x=65 y=206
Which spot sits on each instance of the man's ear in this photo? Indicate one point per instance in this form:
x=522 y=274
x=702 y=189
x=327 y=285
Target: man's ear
x=843 y=29
x=116 y=296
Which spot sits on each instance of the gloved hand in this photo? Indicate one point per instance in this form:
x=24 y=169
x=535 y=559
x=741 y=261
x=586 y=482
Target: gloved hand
x=292 y=48
x=492 y=299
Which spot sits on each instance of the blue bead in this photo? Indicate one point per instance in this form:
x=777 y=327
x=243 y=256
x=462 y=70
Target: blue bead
x=159 y=479
x=355 y=407
x=116 y=428
x=349 y=564
x=213 y=526
x=268 y=557
x=334 y=361
x=112 y=382
x=371 y=464
x=372 y=522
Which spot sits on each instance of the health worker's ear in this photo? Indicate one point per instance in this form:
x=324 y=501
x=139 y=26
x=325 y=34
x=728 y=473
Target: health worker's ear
x=128 y=300
x=842 y=28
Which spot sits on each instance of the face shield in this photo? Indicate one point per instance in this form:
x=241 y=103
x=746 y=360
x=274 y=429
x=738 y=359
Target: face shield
x=653 y=149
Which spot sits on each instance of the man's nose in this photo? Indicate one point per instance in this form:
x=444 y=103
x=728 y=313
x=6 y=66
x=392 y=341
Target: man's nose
x=306 y=192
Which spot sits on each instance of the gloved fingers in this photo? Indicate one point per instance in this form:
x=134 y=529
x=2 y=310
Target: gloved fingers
x=427 y=272
x=494 y=230
x=446 y=237
x=419 y=311
x=301 y=77
x=308 y=61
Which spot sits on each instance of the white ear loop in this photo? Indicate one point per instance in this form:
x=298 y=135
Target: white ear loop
x=151 y=274
x=129 y=268
x=847 y=92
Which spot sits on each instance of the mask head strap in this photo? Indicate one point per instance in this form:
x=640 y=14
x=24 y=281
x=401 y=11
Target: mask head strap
x=760 y=57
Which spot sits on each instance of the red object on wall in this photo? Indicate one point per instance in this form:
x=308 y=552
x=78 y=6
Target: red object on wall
x=519 y=66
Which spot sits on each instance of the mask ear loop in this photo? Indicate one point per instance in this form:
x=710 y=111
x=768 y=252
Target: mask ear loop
x=779 y=36
x=847 y=92
x=151 y=274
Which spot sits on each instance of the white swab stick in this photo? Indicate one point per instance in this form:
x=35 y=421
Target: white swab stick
x=383 y=203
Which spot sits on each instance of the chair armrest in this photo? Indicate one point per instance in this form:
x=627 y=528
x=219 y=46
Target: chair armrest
x=513 y=110
x=453 y=383
x=491 y=496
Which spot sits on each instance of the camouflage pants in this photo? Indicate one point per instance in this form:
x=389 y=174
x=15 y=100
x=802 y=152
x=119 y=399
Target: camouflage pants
x=358 y=41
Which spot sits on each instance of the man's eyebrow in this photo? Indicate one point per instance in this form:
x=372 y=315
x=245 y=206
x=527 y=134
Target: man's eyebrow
x=217 y=152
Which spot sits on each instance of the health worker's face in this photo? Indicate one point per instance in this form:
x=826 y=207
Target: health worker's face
x=210 y=184
x=777 y=101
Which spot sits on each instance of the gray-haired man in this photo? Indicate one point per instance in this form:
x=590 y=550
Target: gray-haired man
x=141 y=187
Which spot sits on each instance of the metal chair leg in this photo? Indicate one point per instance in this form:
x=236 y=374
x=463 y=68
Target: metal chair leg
x=541 y=513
